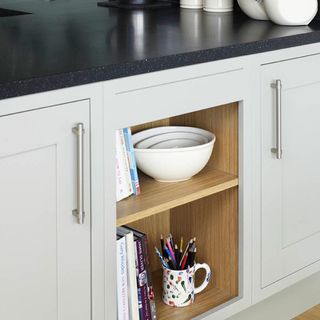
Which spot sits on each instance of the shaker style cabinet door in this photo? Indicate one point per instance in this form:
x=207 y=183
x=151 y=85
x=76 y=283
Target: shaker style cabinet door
x=290 y=221
x=44 y=250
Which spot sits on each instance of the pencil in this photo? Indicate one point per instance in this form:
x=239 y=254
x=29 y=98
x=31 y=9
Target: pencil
x=181 y=244
x=184 y=261
x=162 y=246
x=161 y=258
x=185 y=251
x=171 y=250
x=170 y=256
x=176 y=253
x=194 y=256
x=171 y=240
x=171 y=262
x=191 y=255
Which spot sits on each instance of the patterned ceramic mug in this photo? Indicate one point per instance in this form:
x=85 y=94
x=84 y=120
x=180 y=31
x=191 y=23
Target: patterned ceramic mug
x=179 y=285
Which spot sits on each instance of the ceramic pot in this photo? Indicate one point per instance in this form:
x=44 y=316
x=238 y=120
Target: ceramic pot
x=291 y=12
x=253 y=9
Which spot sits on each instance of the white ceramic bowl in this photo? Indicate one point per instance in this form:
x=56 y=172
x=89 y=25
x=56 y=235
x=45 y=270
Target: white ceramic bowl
x=253 y=9
x=291 y=12
x=173 y=164
x=168 y=140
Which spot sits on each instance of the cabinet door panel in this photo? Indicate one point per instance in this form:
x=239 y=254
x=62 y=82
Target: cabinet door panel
x=44 y=253
x=290 y=186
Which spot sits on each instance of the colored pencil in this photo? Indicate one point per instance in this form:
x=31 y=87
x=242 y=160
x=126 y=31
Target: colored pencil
x=184 y=261
x=185 y=252
x=176 y=254
x=170 y=256
x=162 y=246
x=161 y=258
x=171 y=250
x=171 y=240
x=181 y=244
x=172 y=263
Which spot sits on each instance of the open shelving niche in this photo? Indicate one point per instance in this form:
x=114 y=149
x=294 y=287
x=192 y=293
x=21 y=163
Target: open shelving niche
x=205 y=207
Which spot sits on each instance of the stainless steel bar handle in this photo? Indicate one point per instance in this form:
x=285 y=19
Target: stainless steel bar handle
x=278 y=149
x=79 y=212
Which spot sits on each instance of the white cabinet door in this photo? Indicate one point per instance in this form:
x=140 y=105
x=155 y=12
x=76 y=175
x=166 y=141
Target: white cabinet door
x=44 y=252
x=290 y=222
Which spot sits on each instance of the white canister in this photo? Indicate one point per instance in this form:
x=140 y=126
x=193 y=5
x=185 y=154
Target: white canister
x=191 y=4
x=218 y=5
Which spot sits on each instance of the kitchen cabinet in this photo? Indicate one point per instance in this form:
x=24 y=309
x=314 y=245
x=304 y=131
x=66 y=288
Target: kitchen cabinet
x=212 y=205
x=255 y=216
x=290 y=193
x=44 y=251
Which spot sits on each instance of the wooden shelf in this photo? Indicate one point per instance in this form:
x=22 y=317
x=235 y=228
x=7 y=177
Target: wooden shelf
x=205 y=301
x=157 y=196
x=205 y=207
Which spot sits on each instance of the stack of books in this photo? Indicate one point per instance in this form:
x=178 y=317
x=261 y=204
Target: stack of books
x=127 y=180
x=135 y=293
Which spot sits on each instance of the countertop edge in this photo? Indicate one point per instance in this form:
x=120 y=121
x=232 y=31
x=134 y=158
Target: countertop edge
x=104 y=73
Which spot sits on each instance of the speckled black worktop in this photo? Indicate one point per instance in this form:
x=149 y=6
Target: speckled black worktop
x=65 y=43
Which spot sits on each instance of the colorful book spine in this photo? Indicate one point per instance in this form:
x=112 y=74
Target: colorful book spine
x=147 y=295
x=152 y=302
x=122 y=283
x=123 y=177
x=132 y=161
x=140 y=304
x=142 y=280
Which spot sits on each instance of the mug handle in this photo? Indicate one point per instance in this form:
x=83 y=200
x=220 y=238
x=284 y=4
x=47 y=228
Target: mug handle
x=207 y=278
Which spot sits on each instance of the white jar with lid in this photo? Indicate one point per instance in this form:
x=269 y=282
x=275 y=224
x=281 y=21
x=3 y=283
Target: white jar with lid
x=218 y=5
x=191 y=4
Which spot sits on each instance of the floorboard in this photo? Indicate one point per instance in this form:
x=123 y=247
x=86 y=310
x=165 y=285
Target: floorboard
x=312 y=314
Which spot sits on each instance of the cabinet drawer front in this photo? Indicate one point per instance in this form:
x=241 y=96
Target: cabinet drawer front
x=290 y=185
x=177 y=97
x=293 y=73
x=44 y=253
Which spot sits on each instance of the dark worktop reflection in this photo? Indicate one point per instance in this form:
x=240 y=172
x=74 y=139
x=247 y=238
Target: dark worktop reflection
x=74 y=35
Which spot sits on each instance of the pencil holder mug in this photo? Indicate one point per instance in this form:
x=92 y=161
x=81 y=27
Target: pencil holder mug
x=179 y=285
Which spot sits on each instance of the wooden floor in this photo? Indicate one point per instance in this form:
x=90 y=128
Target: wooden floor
x=312 y=314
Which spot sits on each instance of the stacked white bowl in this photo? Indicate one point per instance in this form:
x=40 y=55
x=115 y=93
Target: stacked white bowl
x=283 y=12
x=173 y=153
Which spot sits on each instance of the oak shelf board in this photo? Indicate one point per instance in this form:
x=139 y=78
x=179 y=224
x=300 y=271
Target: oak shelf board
x=157 y=196
x=204 y=301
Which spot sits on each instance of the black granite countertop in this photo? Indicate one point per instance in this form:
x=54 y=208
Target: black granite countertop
x=65 y=43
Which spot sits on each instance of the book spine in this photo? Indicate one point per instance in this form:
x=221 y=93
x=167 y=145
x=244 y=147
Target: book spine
x=138 y=289
x=152 y=302
x=142 y=280
x=126 y=162
x=122 y=168
x=140 y=304
x=132 y=161
x=132 y=279
x=122 y=284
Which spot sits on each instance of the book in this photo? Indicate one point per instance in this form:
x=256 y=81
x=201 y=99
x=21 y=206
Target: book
x=142 y=280
x=132 y=161
x=123 y=179
x=152 y=301
x=141 y=273
x=131 y=273
x=122 y=282
x=142 y=250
